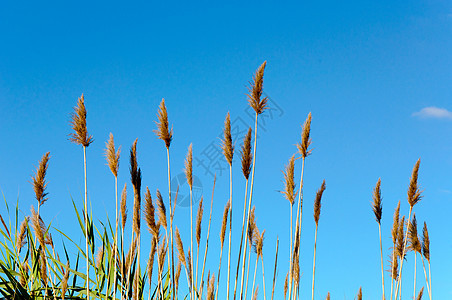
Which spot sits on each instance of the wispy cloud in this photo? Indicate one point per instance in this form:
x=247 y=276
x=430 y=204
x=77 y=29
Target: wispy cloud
x=433 y=112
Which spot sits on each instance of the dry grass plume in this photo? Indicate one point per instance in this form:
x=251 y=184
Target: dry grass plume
x=255 y=91
x=163 y=132
x=78 y=122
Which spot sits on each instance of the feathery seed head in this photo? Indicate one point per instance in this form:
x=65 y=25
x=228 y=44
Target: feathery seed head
x=414 y=194
x=317 y=203
x=199 y=220
x=161 y=210
x=228 y=148
x=395 y=224
x=21 y=238
x=415 y=244
x=180 y=248
x=162 y=254
x=189 y=267
x=151 y=259
x=255 y=292
x=401 y=238
x=43 y=267
x=149 y=214
x=224 y=223
x=303 y=147
x=251 y=225
x=64 y=281
x=112 y=155
x=360 y=294
x=255 y=91
x=38 y=226
x=286 y=284
x=289 y=184
x=189 y=166
x=211 y=288
x=177 y=276
x=328 y=296
x=99 y=256
x=425 y=243
x=124 y=206
x=376 y=206
x=78 y=122
x=421 y=292
x=39 y=180
x=247 y=156
x=163 y=132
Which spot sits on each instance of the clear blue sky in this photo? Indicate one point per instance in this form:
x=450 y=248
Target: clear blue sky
x=376 y=76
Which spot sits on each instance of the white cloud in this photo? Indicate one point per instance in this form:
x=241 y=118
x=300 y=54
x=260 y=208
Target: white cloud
x=434 y=113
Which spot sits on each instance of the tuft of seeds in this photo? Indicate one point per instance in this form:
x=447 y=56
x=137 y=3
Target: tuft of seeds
x=414 y=194
x=360 y=294
x=135 y=175
x=99 y=256
x=163 y=132
x=39 y=180
x=180 y=248
x=303 y=147
x=161 y=210
x=224 y=223
x=425 y=243
x=78 y=122
x=376 y=205
x=255 y=91
x=289 y=182
x=151 y=259
x=189 y=267
x=64 y=281
x=211 y=288
x=328 y=296
x=317 y=202
x=247 y=156
x=21 y=238
x=149 y=214
x=421 y=292
x=124 y=205
x=395 y=224
x=38 y=226
x=401 y=238
x=112 y=155
x=252 y=226
x=177 y=276
x=162 y=254
x=199 y=220
x=286 y=284
x=189 y=166
x=43 y=267
x=413 y=237
x=228 y=148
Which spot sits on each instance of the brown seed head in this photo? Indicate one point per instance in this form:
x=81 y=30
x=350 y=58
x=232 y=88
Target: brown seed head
x=376 y=205
x=286 y=284
x=425 y=243
x=317 y=202
x=162 y=254
x=124 y=205
x=64 y=281
x=228 y=148
x=247 y=156
x=252 y=226
x=135 y=176
x=360 y=294
x=414 y=194
x=211 y=288
x=43 y=267
x=415 y=244
x=163 y=132
x=189 y=166
x=258 y=242
x=401 y=238
x=224 y=223
x=198 y=221
x=161 y=210
x=394 y=266
x=289 y=183
x=151 y=259
x=112 y=155
x=38 y=226
x=296 y=269
x=421 y=292
x=328 y=296
x=78 y=123
x=21 y=238
x=39 y=180
x=303 y=147
x=149 y=214
x=189 y=265
x=177 y=276
x=255 y=91
x=180 y=248
x=395 y=224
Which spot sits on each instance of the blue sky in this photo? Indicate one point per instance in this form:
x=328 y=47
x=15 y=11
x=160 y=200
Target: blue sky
x=375 y=74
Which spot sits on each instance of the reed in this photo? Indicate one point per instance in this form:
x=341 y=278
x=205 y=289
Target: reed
x=426 y=254
x=317 y=206
x=419 y=295
x=378 y=209
x=189 y=175
x=222 y=236
x=251 y=241
x=259 y=104
x=228 y=152
x=81 y=137
x=246 y=160
x=413 y=197
x=415 y=246
x=394 y=231
x=276 y=264
x=207 y=239
x=198 y=237
x=165 y=134
x=112 y=155
x=359 y=296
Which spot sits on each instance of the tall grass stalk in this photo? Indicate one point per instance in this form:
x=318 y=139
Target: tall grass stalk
x=222 y=235
x=276 y=264
x=259 y=105
x=414 y=196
